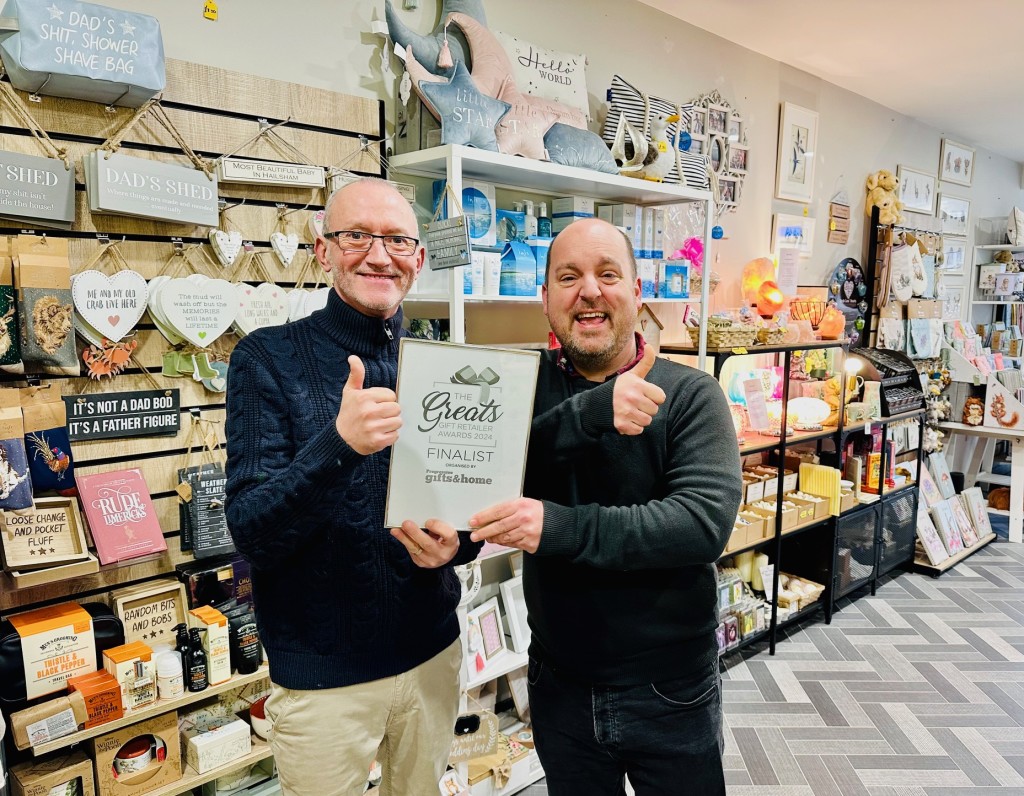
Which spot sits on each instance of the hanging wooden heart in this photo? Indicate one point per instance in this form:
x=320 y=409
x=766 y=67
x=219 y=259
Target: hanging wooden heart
x=226 y=245
x=259 y=306
x=156 y=313
x=199 y=313
x=297 y=303
x=111 y=305
x=284 y=246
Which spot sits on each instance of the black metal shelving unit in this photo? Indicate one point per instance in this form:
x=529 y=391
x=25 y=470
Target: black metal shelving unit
x=819 y=534
x=845 y=553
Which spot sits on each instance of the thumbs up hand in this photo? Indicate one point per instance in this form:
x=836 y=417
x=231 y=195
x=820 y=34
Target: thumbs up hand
x=368 y=419
x=635 y=401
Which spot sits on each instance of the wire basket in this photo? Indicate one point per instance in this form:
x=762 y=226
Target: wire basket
x=812 y=310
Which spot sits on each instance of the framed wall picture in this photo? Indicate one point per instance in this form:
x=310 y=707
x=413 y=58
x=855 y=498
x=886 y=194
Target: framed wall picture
x=793 y=231
x=954 y=215
x=485 y=636
x=798 y=139
x=953 y=303
x=917 y=190
x=956 y=163
x=718 y=119
x=699 y=123
x=955 y=253
x=729 y=191
x=515 y=612
x=738 y=158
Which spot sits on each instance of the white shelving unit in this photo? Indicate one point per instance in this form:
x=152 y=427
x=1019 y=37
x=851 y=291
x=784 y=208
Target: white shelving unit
x=456 y=163
x=983 y=254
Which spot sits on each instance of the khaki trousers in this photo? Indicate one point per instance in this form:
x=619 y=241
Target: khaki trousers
x=325 y=741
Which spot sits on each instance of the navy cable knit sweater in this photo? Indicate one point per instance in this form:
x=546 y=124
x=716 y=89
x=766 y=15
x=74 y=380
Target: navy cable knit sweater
x=338 y=600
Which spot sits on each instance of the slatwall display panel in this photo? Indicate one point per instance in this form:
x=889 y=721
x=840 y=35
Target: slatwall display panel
x=898 y=530
x=215 y=111
x=855 y=550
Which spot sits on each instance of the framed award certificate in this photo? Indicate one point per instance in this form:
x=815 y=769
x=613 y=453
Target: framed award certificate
x=466 y=415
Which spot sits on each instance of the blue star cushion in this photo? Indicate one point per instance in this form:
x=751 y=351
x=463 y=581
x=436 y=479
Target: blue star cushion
x=467 y=116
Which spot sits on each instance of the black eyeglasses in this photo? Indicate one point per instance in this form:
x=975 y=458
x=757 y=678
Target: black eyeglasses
x=352 y=240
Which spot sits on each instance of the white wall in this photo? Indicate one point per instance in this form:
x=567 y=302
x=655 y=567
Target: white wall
x=326 y=44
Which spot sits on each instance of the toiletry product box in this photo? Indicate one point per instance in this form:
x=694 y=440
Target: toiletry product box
x=518 y=270
x=628 y=218
x=647 y=269
x=163 y=770
x=102 y=695
x=567 y=209
x=215 y=642
x=48 y=665
x=511 y=225
x=44 y=776
x=206 y=749
x=675 y=280
x=647 y=234
x=48 y=721
x=758 y=528
x=540 y=246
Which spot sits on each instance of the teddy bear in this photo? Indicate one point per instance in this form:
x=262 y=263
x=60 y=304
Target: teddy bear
x=882 y=189
x=1006 y=259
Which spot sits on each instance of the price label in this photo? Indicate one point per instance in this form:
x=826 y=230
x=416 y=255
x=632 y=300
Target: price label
x=739 y=350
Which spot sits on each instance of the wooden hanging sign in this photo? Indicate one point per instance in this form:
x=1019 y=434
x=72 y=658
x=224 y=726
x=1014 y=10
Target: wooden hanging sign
x=447 y=243
x=130 y=186
x=119 y=415
x=270 y=172
x=36 y=191
x=48 y=534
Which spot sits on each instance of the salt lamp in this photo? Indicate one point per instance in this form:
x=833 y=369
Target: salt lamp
x=755 y=273
x=807 y=412
x=770 y=299
x=832 y=325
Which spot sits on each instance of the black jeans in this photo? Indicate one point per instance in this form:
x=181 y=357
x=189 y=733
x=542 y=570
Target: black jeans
x=667 y=737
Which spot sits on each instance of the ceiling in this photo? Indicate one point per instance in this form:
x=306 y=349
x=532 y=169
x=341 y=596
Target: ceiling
x=956 y=66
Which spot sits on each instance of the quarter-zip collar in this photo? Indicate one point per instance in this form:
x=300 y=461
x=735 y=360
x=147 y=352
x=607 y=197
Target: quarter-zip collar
x=356 y=332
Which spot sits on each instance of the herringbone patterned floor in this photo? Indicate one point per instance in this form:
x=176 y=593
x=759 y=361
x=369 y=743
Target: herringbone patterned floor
x=918 y=691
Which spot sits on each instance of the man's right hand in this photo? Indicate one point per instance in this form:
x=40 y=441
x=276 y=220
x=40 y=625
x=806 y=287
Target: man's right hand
x=635 y=401
x=368 y=419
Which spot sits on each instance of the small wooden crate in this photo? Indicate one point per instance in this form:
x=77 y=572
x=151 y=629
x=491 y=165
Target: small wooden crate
x=47 y=535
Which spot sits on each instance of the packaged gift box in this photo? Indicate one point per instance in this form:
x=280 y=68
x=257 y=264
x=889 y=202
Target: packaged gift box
x=66 y=773
x=139 y=758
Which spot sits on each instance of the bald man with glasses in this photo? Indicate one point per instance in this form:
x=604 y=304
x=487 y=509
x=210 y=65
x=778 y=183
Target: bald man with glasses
x=358 y=621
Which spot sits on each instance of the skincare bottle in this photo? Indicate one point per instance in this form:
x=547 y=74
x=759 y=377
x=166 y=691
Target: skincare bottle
x=543 y=222
x=196 y=667
x=170 y=679
x=531 y=219
x=181 y=645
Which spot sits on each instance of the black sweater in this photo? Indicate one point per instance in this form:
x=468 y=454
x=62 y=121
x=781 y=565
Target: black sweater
x=338 y=600
x=622 y=589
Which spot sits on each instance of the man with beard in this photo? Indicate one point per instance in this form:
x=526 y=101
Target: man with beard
x=358 y=623
x=632 y=484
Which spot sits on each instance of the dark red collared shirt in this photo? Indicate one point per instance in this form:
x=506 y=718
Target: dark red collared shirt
x=570 y=369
